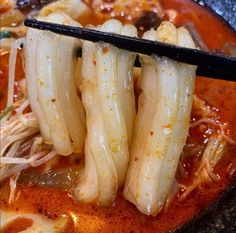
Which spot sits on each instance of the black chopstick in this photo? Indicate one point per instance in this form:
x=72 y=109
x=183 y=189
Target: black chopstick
x=209 y=64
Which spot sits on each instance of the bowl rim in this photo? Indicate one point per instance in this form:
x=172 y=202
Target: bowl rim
x=204 y=4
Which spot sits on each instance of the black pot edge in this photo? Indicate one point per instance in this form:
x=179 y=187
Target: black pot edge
x=203 y=4
x=207 y=213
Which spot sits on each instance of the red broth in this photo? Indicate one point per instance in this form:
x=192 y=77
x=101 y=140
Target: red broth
x=123 y=216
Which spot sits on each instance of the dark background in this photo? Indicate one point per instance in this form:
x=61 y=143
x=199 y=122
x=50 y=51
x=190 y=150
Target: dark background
x=225 y=8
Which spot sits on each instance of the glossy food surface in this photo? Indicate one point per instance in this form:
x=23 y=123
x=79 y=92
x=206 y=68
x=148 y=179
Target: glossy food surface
x=123 y=216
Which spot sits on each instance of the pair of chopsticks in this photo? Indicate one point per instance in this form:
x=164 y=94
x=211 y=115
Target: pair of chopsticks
x=209 y=64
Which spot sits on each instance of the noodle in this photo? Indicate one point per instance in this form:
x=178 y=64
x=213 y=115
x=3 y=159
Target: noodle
x=108 y=98
x=205 y=172
x=88 y=107
x=161 y=125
